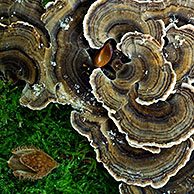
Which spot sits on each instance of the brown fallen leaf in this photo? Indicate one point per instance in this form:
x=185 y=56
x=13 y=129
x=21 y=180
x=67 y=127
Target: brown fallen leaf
x=31 y=162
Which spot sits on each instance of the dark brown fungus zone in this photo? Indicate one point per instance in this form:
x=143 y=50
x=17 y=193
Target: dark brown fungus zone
x=31 y=163
x=125 y=163
x=69 y=54
x=181 y=183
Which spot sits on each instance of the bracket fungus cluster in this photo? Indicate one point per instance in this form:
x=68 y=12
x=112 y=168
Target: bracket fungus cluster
x=126 y=66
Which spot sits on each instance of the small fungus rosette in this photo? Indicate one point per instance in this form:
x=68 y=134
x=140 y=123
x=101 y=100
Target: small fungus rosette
x=144 y=94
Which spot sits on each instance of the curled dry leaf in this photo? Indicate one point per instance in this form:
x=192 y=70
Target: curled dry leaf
x=31 y=163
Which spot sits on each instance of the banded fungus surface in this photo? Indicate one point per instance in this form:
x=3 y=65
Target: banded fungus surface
x=126 y=66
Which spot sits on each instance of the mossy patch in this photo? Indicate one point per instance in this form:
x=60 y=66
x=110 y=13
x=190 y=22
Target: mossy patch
x=49 y=129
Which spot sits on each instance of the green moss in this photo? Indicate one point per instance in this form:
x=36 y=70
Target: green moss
x=44 y=2
x=49 y=129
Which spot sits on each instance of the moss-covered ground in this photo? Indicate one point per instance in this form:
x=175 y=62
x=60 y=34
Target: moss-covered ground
x=49 y=129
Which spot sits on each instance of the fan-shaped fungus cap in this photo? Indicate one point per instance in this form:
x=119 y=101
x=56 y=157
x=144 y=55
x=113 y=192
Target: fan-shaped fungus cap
x=161 y=124
x=111 y=19
x=153 y=74
x=127 y=164
x=31 y=162
x=22 y=57
x=181 y=183
x=69 y=54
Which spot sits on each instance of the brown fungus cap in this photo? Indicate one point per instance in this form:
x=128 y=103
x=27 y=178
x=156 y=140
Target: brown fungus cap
x=31 y=163
x=127 y=164
x=161 y=124
x=111 y=19
x=181 y=183
x=22 y=58
x=69 y=54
